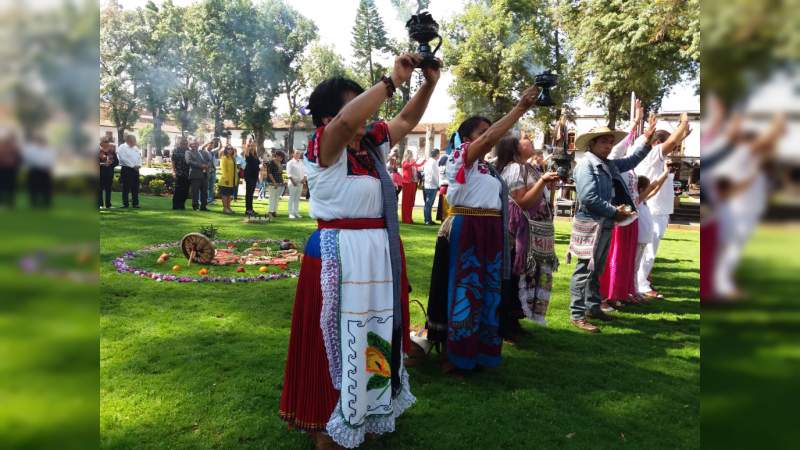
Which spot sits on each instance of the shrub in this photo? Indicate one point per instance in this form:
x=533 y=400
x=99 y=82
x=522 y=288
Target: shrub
x=157 y=187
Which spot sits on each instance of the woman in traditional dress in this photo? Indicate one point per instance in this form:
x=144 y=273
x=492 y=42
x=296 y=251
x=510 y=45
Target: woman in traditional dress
x=344 y=372
x=617 y=284
x=410 y=170
x=471 y=257
x=530 y=228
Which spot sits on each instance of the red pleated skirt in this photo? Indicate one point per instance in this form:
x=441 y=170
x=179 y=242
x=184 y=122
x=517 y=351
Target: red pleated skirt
x=617 y=281
x=308 y=397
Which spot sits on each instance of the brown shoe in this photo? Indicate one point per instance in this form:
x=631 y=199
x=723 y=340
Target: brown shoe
x=584 y=325
x=599 y=315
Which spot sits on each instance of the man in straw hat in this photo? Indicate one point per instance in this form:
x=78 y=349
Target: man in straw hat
x=603 y=199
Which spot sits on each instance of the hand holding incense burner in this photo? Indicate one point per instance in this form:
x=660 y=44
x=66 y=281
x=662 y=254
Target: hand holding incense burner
x=423 y=29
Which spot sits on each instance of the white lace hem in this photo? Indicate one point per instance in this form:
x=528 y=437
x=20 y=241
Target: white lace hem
x=351 y=437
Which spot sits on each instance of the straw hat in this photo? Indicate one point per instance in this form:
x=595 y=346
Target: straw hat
x=582 y=142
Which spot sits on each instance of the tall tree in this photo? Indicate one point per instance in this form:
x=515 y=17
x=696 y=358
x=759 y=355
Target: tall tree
x=631 y=45
x=116 y=67
x=495 y=51
x=153 y=78
x=322 y=62
x=369 y=35
x=179 y=27
x=241 y=41
x=296 y=32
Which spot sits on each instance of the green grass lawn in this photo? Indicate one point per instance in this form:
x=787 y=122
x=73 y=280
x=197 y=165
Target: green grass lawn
x=48 y=329
x=751 y=351
x=201 y=365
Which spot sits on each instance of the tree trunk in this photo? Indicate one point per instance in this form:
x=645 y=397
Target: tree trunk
x=258 y=135
x=219 y=125
x=157 y=131
x=290 y=137
x=121 y=134
x=614 y=102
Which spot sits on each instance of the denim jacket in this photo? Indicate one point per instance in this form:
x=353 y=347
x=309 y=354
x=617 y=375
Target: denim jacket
x=593 y=181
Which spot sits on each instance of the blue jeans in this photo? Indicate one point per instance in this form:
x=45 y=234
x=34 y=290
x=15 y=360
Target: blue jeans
x=212 y=180
x=429 y=195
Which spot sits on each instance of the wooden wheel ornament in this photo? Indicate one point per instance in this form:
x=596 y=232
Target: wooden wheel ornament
x=198 y=248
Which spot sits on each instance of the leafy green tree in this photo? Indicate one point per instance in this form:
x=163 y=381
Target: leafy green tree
x=296 y=32
x=369 y=36
x=179 y=27
x=152 y=75
x=744 y=42
x=116 y=67
x=631 y=45
x=494 y=52
x=322 y=62
x=240 y=42
x=149 y=137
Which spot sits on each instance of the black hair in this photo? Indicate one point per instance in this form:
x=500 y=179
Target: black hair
x=642 y=182
x=467 y=127
x=328 y=98
x=506 y=151
x=434 y=153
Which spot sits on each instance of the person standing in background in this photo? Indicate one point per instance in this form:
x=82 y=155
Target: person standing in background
x=107 y=159
x=296 y=172
x=275 y=177
x=241 y=163
x=430 y=184
x=250 y=177
x=130 y=158
x=410 y=167
x=213 y=151
x=180 y=171
x=441 y=208
x=39 y=159
x=227 y=171
x=262 y=180
x=9 y=168
x=198 y=175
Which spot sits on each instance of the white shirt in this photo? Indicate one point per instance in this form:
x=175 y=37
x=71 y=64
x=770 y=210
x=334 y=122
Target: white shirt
x=37 y=156
x=479 y=190
x=652 y=166
x=339 y=191
x=645 y=224
x=296 y=170
x=431 y=171
x=129 y=156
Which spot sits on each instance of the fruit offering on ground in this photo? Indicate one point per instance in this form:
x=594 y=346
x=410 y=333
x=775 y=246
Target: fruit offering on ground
x=202 y=271
x=240 y=269
x=263 y=269
x=176 y=268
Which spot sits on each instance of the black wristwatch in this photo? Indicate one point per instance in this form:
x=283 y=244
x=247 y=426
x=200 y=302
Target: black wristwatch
x=390 y=87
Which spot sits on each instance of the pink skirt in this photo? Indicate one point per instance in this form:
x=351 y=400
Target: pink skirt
x=709 y=239
x=617 y=281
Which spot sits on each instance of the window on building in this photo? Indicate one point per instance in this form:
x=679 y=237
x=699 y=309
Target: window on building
x=571 y=140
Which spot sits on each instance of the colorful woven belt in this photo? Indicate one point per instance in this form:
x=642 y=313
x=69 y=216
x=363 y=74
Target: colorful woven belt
x=483 y=212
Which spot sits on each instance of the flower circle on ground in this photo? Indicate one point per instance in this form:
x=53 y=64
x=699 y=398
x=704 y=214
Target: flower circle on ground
x=235 y=261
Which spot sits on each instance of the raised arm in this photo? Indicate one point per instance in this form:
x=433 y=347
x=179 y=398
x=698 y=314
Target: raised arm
x=641 y=148
x=343 y=128
x=486 y=141
x=532 y=196
x=677 y=136
x=619 y=150
x=409 y=117
x=654 y=187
